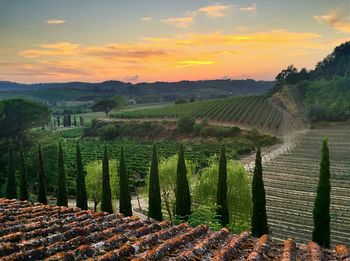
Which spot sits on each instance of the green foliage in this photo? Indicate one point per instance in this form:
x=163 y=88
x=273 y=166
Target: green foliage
x=259 y=217
x=106 y=198
x=238 y=192
x=205 y=215
x=23 y=186
x=61 y=180
x=80 y=191
x=94 y=180
x=42 y=194
x=107 y=105
x=185 y=124
x=154 y=198
x=321 y=212
x=221 y=195
x=11 y=189
x=182 y=192
x=18 y=115
x=124 y=193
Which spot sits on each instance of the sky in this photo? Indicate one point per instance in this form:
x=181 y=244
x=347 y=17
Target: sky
x=165 y=40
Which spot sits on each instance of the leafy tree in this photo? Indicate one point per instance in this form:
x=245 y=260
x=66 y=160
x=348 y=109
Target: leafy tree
x=259 y=217
x=42 y=195
x=154 y=199
x=182 y=196
x=107 y=105
x=238 y=191
x=94 y=180
x=61 y=180
x=11 y=189
x=222 y=189
x=106 y=201
x=81 y=197
x=124 y=193
x=23 y=187
x=321 y=211
x=19 y=115
x=185 y=124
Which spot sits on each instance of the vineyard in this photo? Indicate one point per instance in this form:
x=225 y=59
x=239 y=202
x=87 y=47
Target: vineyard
x=252 y=111
x=291 y=181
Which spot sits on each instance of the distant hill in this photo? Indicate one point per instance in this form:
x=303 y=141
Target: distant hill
x=143 y=92
x=325 y=91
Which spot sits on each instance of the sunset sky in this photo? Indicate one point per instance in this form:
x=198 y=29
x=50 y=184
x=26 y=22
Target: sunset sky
x=165 y=40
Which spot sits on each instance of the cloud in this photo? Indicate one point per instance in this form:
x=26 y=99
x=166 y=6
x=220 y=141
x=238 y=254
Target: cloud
x=248 y=9
x=215 y=10
x=131 y=78
x=187 y=63
x=146 y=18
x=180 y=22
x=56 y=49
x=55 y=21
x=334 y=20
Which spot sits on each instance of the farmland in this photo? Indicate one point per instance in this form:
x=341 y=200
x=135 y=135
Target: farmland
x=291 y=180
x=252 y=111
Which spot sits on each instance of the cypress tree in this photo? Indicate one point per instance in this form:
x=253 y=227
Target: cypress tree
x=124 y=193
x=81 y=121
x=154 y=199
x=11 y=189
x=23 y=187
x=321 y=212
x=75 y=121
x=61 y=180
x=80 y=182
x=106 y=202
x=58 y=121
x=182 y=195
x=221 y=199
x=42 y=195
x=259 y=217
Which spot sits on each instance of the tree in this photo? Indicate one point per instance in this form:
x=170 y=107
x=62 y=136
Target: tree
x=182 y=196
x=58 y=121
x=124 y=193
x=81 y=197
x=23 y=187
x=221 y=199
x=104 y=105
x=106 y=201
x=75 y=121
x=11 y=189
x=259 y=217
x=185 y=124
x=81 y=121
x=321 y=211
x=154 y=199
x=61 y=180
x=42 y=195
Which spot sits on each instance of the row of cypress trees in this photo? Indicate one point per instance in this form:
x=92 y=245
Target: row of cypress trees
x=321 y=212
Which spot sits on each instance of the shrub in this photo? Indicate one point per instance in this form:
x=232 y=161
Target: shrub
x=185 y=123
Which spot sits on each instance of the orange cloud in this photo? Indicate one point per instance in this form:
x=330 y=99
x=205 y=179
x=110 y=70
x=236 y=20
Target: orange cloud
x=181 y=22
x=334 y=20
x=56 y=49
x=215 y=10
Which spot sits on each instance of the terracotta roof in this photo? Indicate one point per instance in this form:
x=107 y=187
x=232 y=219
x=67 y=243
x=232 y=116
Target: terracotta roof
x=43 y=232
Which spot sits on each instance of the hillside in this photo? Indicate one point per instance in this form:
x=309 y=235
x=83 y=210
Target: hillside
x=324 y=91
x=246 y=111
x=37 y=232
x=142 y=92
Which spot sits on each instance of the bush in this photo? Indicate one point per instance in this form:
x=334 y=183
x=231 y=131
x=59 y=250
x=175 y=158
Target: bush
x=185 y=123
x=180 y=101
x=205 y=215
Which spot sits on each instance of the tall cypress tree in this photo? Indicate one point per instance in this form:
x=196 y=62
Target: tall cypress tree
x=80 y=182
x=106 y=202
x=321 y=233
x=61 y=180
x=221 y=199
x=154 y=199
x=42 y=195
x=23 y=187
x=124 y=193
x=75 y=121
x=182 y=195
x=259 y=217
x=11 y=189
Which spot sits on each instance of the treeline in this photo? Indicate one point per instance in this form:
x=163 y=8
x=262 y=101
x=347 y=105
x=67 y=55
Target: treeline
x=324 y=89
x=183 y=200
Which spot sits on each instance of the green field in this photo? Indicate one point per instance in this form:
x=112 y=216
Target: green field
x=254 y=111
